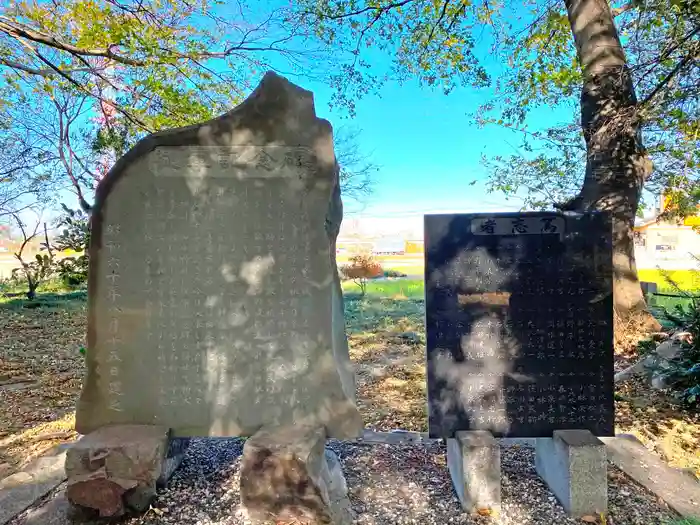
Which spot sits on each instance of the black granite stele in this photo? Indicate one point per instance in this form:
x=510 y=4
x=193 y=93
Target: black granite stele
x=519 y=323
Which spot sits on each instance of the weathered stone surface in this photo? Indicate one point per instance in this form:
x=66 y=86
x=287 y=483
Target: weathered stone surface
x=680 y=491
x=177 y=448
x=20 y=490
x=114 y=466
x=57 y=510
x=474 y=461
x=654 y=365
x=213 y=278
x=338 y=501
x=286 y=475
x=574 y=465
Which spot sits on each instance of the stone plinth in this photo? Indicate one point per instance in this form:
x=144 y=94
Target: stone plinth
x=575 y=467
x=474 y=461
x=116 y=467
x=288 y=477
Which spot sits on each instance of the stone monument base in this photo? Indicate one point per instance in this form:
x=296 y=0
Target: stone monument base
x=574 y=465
x=119 y=467
x=287 y=476
x=474 y=461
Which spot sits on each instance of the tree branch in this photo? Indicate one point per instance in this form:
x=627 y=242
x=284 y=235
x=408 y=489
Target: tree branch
x=15 y=31
x=686 y=60
x=83 y=89
x=381 y=9
x=627 y=7
x=63 y=132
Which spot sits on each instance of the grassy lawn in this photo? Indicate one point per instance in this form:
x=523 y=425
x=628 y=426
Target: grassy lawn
x=390 y=288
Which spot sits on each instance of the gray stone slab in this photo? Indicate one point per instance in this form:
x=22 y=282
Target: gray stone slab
x=474 y=462
x=215 y=306
x=574 y=466
x=19 y=491
x=677 y=489
x=56 y=511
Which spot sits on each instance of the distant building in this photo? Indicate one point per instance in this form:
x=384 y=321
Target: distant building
x=667 y=245
x=350 y=247
x=389 y=246
x=414 y=246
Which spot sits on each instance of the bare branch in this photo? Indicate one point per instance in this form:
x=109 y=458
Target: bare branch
x=381 y=9
x=679 y=67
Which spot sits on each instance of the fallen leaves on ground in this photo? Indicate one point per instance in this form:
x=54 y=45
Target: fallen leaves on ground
x=385 y=338
x=660 y=422
x=41 y=373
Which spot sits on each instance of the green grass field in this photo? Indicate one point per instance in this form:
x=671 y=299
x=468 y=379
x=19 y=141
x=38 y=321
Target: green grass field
x=409 y=288
x=689 y=281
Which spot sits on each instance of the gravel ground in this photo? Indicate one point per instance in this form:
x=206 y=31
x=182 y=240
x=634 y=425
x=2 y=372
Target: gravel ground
x=389 y=484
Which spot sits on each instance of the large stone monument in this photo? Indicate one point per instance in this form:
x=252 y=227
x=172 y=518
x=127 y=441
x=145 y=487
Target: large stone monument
x=215 y=307
x=519 y=325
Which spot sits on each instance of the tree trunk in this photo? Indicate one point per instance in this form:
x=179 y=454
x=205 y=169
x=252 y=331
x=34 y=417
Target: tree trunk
x=617 y=165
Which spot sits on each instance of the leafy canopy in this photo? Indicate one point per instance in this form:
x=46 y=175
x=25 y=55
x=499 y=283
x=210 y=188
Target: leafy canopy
x=85 y=79
x=445 y=43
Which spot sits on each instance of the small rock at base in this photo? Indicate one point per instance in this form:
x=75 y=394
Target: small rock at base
x=101 y=494
x=116 y=466
x=287 y=475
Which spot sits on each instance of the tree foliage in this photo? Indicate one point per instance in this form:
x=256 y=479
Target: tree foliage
x=96 y=76
x=662 y=43
x=360 y=269
x=446 y=43
x=75 y=236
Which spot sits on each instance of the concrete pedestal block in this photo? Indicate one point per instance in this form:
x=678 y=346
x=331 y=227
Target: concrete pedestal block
x=574 y=465
x=474 y=461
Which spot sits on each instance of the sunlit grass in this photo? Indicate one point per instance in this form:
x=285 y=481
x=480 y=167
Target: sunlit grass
x=398 y=288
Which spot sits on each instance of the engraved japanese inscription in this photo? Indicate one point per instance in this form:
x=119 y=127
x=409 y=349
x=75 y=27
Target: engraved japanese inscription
x=519 y=323
x=214 y=293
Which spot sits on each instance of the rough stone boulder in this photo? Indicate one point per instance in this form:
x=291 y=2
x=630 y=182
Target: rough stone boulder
x=287 y=476
x=118 y=467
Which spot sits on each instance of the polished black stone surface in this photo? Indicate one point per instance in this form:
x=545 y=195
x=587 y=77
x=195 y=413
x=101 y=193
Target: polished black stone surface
x=519 y=323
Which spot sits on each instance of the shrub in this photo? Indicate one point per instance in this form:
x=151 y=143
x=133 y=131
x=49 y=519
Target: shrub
x=684 y=371
x=75 y=236
x=360 y=269
x=73 y=271
x=35 y=272
x=394 y=273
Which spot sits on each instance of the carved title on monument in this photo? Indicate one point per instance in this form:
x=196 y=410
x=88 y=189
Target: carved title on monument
x=250 y=162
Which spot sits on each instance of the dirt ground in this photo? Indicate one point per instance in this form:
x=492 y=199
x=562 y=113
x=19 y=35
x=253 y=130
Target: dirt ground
x=392 y=389
x=41 y=371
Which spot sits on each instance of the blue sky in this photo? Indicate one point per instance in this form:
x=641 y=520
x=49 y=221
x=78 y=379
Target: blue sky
x=427 y=147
